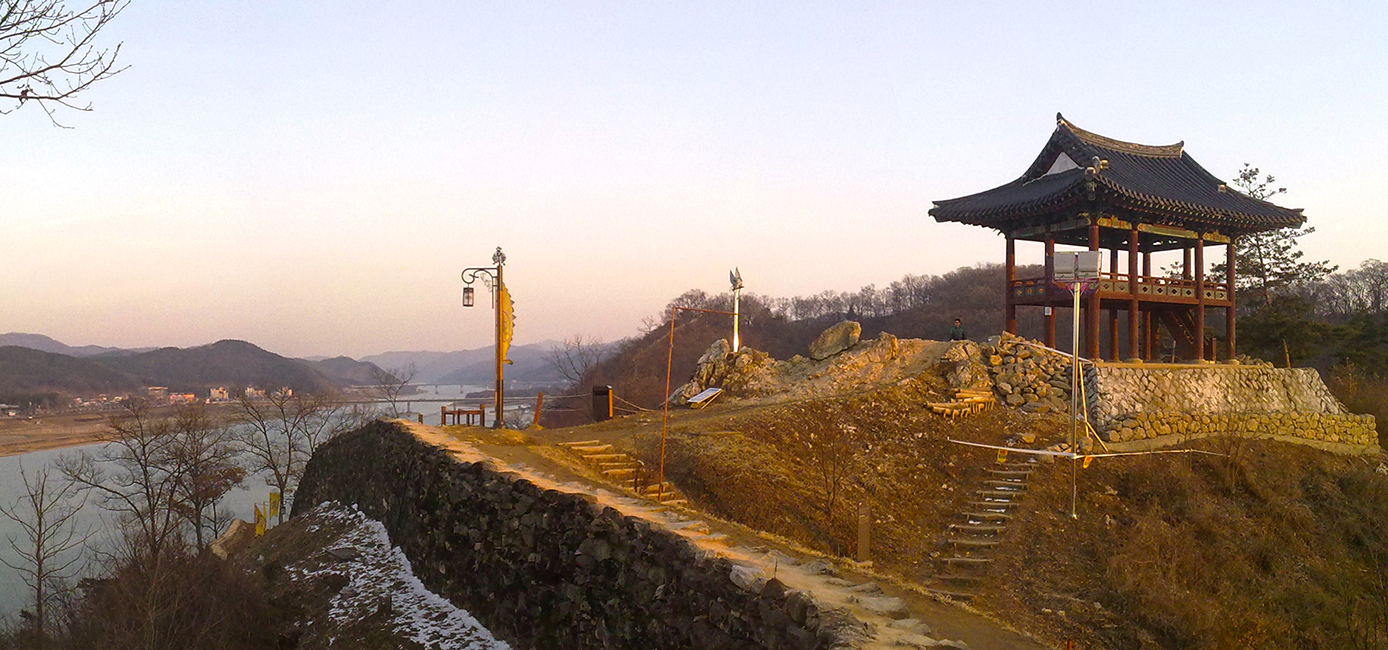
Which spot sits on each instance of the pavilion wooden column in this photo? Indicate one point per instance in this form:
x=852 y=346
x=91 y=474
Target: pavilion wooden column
x=1134 y=314
x=1200 y=296
x=1113 y=311
x=1092 y=320
x=1185 y=263
x=1011 y=276
x=1229 y=311
x=1149 y=332
x=1050 y=282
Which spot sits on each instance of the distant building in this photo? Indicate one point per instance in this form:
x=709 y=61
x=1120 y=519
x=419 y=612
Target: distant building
x=219 y=394
x=252 y=392
x=182 y=398
x=158 y=392
x=9 y=410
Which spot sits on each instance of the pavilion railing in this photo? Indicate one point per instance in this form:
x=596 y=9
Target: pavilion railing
x=1147 y=285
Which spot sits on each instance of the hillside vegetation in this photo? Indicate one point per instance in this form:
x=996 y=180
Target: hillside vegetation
x=1268 y=545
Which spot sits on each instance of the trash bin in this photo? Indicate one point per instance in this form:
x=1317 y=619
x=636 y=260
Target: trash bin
x=602 y=403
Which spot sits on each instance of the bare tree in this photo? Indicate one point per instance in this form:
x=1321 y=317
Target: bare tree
x=279 y=433
x=205 y=450
x=833 y=452
x=49 y=554
x=390 y=384
x=48 y=51
x=135 y=477
x=577 y=355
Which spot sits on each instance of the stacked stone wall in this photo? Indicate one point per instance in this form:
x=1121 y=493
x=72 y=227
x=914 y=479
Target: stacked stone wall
x=544 y=568
x=1135 y=403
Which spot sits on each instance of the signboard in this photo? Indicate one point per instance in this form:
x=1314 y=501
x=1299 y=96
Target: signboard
x=1079 y=265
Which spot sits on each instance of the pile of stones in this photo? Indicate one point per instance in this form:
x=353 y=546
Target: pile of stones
x=1028 y=376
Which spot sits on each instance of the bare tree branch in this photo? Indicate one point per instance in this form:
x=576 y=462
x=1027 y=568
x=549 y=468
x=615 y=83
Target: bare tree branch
x=48 y=53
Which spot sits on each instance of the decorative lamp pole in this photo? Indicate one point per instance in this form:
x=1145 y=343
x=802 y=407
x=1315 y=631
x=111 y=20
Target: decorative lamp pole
x=735 y=277
x=501 y=301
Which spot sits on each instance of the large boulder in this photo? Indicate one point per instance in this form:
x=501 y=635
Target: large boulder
x=836 y=339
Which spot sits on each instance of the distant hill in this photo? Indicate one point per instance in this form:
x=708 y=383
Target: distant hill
x=346 y=371
x=224 y=363
x=26 y=373
x=48 y=344
x=470 y=366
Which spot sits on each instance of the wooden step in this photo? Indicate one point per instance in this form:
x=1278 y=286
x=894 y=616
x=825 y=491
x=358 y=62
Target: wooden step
x=675 y=502
x=592 y=449
x=951 y=593
x=604 y=457
x=618 y=463
x=618 y=473
x=1010 y=473
x=998 y=493
x=1007 y=485
x=991 y=504
x=653 y=488
x=972 y=543
x=978 y=528
x=967 y=561
x=959 y=577
x=987 y=516
x=581 y=443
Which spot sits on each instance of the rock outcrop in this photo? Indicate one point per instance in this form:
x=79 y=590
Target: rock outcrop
x=836 y=339
x=1028 y=376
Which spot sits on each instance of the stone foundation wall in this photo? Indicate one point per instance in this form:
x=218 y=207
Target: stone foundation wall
x=1141 y=403
x=1344 y=428
x=543 y=568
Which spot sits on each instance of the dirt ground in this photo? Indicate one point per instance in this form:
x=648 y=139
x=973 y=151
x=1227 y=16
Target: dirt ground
x=23 y=435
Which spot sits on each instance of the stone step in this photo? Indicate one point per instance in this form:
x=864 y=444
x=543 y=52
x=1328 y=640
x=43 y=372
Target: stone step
x=972 y=543
x=987 y=516
x=978 y=528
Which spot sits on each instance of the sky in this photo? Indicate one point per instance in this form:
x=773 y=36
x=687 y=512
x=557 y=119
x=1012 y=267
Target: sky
x=313 y=176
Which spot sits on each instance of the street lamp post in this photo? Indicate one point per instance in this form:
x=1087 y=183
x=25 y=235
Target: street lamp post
x=491 y=277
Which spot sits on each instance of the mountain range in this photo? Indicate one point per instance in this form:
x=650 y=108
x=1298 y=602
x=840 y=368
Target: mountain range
x=34 y=364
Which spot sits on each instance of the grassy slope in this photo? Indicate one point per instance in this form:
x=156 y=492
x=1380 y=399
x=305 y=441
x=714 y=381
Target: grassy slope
x=1275 y=547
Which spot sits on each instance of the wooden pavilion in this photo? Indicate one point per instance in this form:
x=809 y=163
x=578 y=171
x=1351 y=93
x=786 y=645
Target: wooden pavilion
x=1090 y=191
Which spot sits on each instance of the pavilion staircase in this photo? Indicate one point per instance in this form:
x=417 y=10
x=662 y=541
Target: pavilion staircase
x=1181 y=324
x=971 y=542
x=624 y=471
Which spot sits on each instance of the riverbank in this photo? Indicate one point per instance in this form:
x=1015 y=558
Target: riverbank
x=23 y=435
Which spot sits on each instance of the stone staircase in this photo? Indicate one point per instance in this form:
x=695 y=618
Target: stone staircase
x=624 y=471
x=969 y=544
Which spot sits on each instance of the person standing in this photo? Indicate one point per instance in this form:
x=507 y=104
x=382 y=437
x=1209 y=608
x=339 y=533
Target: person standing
x=957 y=332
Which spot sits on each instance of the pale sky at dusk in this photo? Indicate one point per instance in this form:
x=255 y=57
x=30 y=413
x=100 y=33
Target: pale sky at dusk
x=313 y=176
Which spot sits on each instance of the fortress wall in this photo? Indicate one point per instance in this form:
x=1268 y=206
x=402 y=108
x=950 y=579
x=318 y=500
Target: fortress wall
x=544 y=568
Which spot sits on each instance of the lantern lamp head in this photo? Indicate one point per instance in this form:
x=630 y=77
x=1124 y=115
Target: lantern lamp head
x=468 y=299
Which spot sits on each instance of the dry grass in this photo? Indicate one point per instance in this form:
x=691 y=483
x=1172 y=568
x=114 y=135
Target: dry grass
x=1269 y=546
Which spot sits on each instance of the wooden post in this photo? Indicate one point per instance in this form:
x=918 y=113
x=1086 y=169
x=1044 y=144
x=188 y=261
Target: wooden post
x=539 y=406
x=1134 y=313
x=1011 y=276
x=1185 y=263
x=1149 y=333
x=1113 y=313
x=443 y=416
x=1092 y=345
x=1050 y=280
x=864 y=532
x=1233 y=304
x=1200 y=297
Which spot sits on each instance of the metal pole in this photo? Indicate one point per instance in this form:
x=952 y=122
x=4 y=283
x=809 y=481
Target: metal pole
x=500 y=362
x=737 y=295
